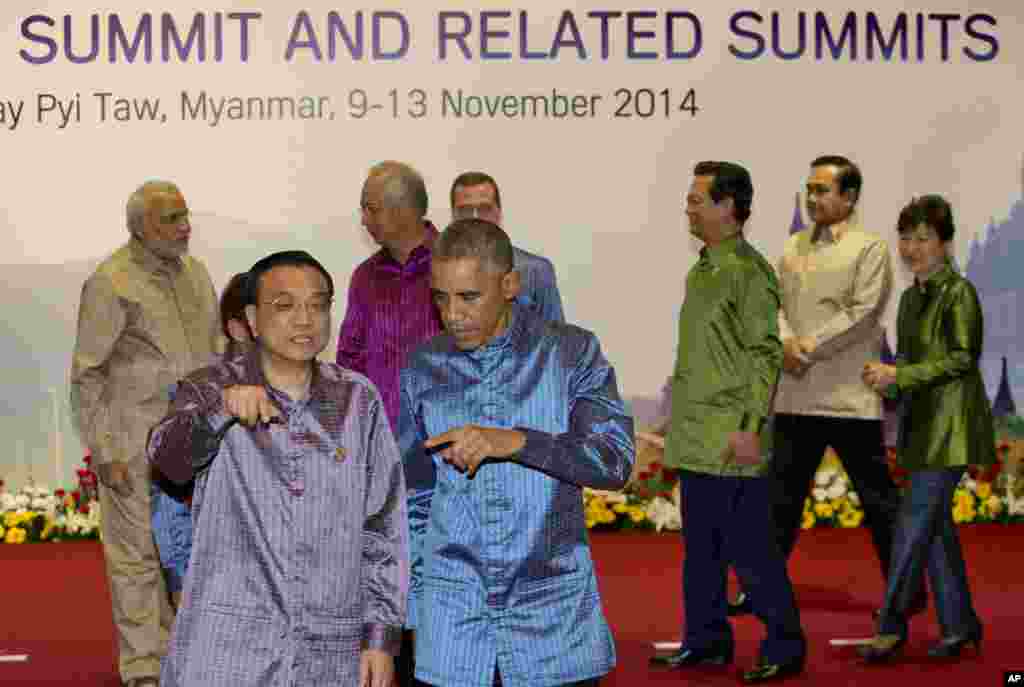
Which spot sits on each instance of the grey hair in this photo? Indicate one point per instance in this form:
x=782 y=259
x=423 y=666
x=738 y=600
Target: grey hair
x=135 y=208
x=476 y=238
x=403 y=186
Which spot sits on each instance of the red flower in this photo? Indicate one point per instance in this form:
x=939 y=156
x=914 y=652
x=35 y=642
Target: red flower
x=1 y=484
x=656 y=466
x=59 y=493
x=88 y=459
x=644 y=476
x=81 y=473
x=667 y=495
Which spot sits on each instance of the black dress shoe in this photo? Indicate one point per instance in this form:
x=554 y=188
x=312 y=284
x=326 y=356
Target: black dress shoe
x=740 y=605
x=950 y=647
x=882 y=648
x=766 y=672
x=685 y=658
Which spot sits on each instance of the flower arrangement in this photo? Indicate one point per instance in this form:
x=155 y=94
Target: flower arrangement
x=651 y=500
x=35 y=513
x=833 y=502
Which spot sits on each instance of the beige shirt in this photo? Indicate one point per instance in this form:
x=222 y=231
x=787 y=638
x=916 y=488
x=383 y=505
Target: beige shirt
x=143 y=324
x=834 y=291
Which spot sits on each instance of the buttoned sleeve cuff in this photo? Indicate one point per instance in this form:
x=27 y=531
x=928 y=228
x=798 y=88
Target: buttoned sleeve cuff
x=384 y=638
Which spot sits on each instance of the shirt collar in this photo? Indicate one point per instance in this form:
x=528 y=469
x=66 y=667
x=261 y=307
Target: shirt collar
x=419 y=256
x=150 y=261
x=715 y=253
x=516 y=321
x=936 y=279
x=318 y=385
x=831 y=233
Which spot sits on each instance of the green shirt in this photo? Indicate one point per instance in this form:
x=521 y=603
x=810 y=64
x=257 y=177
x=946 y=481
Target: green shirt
x=946 y=417
x=728 y=362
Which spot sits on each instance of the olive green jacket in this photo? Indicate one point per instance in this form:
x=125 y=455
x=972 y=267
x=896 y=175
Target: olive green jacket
x=946 y=418
x=728 y=361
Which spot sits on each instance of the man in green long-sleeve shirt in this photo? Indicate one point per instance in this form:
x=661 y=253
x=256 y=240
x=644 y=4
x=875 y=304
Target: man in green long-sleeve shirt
x=728 y=366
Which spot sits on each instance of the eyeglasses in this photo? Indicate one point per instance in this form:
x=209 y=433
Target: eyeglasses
x=486 y=211
x=284 y=305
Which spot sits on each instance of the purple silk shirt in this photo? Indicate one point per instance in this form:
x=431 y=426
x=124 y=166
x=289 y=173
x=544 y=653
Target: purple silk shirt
x=300 y=557
x=389 y=313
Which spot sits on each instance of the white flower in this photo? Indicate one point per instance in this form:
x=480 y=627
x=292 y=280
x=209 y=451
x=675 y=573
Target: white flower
x=995 y=504
x=824 y=477
x=21 y=501
x=819 y=494
x=836 y=490
x=970 y=485
x=7 y=502
x=854 y=499
x=663 y=513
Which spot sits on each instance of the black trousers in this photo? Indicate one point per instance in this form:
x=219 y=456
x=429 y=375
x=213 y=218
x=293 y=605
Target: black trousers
x=726 y=519
x=405 y=664
x=800 y=442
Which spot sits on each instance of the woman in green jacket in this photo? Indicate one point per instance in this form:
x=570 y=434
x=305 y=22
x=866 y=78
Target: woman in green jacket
x=946 y=425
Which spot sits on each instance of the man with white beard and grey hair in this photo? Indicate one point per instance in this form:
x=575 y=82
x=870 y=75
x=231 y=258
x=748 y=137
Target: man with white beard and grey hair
x=147 y=317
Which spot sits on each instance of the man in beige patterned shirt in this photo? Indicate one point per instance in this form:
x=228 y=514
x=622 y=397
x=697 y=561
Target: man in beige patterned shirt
x=147 y=318
x=836 y=279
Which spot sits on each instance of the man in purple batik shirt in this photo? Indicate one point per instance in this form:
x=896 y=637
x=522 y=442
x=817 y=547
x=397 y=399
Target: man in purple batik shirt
x=300 y=562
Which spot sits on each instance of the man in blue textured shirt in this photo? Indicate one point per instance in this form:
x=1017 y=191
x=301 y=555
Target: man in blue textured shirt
x=476 y=194
x=518 y=413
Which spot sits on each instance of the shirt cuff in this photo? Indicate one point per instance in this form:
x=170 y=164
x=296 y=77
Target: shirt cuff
x=537 y=450
x=384 y=638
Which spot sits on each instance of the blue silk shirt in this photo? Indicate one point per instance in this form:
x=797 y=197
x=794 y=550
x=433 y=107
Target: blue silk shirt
x=502 y=573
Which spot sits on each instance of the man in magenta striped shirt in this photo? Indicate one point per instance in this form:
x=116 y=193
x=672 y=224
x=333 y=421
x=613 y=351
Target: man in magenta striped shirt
x=389 y=311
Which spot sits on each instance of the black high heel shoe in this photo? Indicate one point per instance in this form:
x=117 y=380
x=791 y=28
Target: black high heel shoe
x=882 y=648
x=950 y=647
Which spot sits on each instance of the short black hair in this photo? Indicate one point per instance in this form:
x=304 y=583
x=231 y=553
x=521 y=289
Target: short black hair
x=233 y=300
x=289 y=258
x=730 y=181
x=849 y=177
x=931 y=210
x=475 y=238
x=474 y=179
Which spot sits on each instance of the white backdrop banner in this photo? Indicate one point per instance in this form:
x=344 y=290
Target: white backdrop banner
x=590 y=117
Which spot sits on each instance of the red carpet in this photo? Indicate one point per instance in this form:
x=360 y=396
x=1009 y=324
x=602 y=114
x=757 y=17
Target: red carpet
x=55 y=607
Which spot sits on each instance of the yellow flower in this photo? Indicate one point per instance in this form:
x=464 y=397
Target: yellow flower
x=851 y=517
x=983 y=491
x=590 y=523
x=15 y=535
x=995 y=505
x=620 y=508
x=808 y=521
x=963 y=499
x=964 y=513
x=47 y=529
x=11 y=520
x=1 y=532
x=637 y=514
x=823 y=509
x=607 y=516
